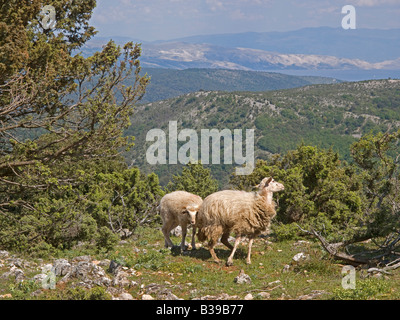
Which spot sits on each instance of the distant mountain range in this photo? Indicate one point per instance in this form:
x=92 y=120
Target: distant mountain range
x=180 y=55
x=306 y=49
x=371 y=45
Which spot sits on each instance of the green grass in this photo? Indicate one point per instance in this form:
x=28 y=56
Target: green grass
x=193 y=274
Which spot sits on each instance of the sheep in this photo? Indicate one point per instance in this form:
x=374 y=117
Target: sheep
x=179 y=208
x=239 y=212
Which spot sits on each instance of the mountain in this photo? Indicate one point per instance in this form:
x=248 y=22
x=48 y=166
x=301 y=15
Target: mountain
x=168 y=83
x=305 y=49
x=328 y=115
x=180 y=55
x=372 y=45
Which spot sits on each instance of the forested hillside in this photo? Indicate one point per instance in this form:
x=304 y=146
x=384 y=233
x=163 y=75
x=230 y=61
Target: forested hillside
x=170 y=83
x=328 y=116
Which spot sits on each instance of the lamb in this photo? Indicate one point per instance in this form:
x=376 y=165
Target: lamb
x=179 y=208
x=246 y=214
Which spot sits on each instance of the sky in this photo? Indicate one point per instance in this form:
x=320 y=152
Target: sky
x=150 y=20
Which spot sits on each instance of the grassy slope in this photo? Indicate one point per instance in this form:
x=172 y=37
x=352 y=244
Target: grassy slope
x=194 y=275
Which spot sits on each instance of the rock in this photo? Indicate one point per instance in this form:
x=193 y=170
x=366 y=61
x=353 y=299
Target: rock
x=222 y=296
x=264 y=295
x=177 y=232
x=154 y=288
x=274 y=283
x=4 y=254
x=125 y=233
x=134 y=284
x=82 y=269
x=88 y=272
x=20 y=263
x=36 y=293
x=121 y=280
x=105 y=281
x=40 y=277
x=82 y=258
x=125 y=296
x=104 y=263
x=161 y=292
x=114 y=267
x=312 y=295
x=299 y=257
x=147 y=297
x=47 y=268
x=61 y=267
x=248 y=296
x=242 y=278
x=167 y=295
x=286 y=268
x=301 y=243
x=14 y=272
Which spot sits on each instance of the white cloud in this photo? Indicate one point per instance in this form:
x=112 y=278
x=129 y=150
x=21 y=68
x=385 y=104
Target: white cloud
x=215 y=5
x=375 y=3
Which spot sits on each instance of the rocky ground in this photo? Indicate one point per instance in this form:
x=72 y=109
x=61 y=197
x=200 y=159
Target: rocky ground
x=87 y=273
x=81 y=271
x=142 y=269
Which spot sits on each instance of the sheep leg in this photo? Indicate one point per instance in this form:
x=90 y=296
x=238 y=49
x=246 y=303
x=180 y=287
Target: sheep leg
x=211 y=245
x=213 y=233
x=248 y=261
x=214 y=256
x=224 y=240
x=184 y=232
x=166 y=229
x=193 y=238
x=230 y=259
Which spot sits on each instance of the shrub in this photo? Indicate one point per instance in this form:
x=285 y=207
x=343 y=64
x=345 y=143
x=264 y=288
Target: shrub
x=106 y=239
x=195 y=179
x=367 y=289
x=320 y=191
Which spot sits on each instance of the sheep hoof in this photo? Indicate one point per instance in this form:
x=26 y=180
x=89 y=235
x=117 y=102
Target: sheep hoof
x=229 y=263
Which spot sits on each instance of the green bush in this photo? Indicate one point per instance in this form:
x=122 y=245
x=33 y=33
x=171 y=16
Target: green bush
x=194 y=179
x=367 y=289
x=78 y=293
x=152 y=259
x=23 y=290
x=106 y=239
x=320 y=191
x=283 y=232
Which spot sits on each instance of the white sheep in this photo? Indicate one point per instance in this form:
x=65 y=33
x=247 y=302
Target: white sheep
x=179 y=208
x=246 y=214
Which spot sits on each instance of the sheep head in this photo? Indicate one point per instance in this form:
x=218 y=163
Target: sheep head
x=191 y=211
x=270 y=185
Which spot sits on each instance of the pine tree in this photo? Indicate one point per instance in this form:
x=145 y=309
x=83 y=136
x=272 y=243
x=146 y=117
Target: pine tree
x=194 y=179
x=60 y=115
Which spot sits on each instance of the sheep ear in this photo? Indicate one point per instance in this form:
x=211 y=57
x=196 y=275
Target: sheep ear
x=267 y=182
